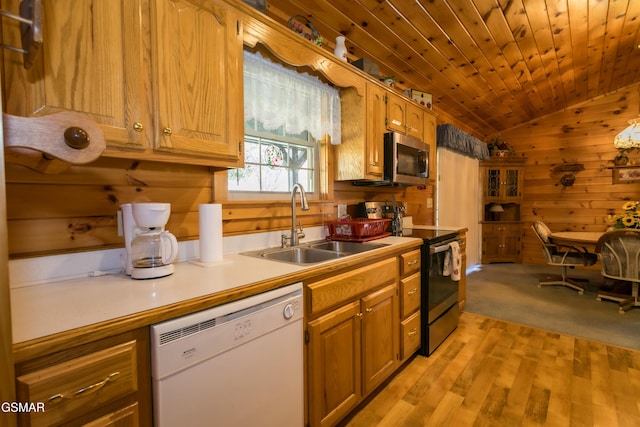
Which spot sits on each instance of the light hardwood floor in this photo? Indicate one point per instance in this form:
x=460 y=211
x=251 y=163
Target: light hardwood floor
x=495 y=373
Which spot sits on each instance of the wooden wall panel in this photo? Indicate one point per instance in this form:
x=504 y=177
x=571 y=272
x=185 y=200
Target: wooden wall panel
x=582 y=135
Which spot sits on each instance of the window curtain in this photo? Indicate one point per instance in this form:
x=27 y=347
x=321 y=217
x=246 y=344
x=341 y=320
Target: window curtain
x=458 y=198
x=278 y=96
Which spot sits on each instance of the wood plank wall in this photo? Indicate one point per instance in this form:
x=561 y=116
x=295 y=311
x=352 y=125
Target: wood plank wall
x=582 y=134
x=77 y=210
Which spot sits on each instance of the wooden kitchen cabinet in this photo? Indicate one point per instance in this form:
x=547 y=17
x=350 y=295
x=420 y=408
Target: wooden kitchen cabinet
x=410 y=298
x=360 y=156
x=198 y=79
x=501 y=242
x=404 y=116
x=502 y=183
x=140 y=69
x=353 y=347
x=98 y=384
x=502 y=180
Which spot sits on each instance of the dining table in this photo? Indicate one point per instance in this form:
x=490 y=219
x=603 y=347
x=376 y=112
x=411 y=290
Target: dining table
x=573 y=238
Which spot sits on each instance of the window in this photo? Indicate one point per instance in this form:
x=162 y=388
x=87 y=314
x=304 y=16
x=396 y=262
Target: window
x=286 y=112
x=275 y=162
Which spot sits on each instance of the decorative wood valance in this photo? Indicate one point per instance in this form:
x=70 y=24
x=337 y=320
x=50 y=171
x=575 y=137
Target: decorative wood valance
x=457 y=140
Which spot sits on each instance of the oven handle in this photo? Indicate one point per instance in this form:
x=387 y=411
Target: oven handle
x=441 y=247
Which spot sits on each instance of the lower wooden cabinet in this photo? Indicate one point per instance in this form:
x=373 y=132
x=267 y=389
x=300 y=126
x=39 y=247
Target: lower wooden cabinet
x=105 y=383
x=501 y=242
x=355 y=335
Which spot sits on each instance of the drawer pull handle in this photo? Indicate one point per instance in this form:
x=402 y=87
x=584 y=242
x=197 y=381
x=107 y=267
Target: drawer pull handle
x=413 y=332
x=85 y=390
x=415 y=261
x=369 y=310
x=412 y=291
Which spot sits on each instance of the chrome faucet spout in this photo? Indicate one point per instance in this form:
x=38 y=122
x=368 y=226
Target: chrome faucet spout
x=296 y=235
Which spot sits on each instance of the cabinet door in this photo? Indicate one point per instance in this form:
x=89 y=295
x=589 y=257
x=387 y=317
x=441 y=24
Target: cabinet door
x=381 y=325
x=334 y=364
x=430 y=127
x=491 y=248
x=93 y=61
x=414 y=120
x=199 y=80
x=376 y=114
x=512 y=184
x=503 y=184
x=396 y=113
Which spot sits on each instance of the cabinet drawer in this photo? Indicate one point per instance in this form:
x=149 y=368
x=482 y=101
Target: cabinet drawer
x=342 y=288
x=501 y=228
x=409 y=294
x=80 y=385
x=410 y=335
x=410 y=262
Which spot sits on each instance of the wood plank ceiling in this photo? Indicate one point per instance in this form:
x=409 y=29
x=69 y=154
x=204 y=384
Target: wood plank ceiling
x=490 y=64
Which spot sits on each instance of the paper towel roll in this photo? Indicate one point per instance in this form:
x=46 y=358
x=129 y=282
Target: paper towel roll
x=210 y=232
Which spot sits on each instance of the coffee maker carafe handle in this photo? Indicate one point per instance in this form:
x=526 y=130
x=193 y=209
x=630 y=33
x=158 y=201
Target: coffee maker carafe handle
x=170 y=247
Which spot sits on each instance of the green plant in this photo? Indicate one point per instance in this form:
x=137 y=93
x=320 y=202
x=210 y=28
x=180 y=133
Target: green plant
x=629 y=218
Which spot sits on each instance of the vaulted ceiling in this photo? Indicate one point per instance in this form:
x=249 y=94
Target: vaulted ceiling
x=490 y=64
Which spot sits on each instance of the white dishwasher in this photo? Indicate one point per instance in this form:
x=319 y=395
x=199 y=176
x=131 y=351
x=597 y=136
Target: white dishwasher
x=239 y=364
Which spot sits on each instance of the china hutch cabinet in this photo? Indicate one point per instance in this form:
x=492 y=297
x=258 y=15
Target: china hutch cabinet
x=501 y=179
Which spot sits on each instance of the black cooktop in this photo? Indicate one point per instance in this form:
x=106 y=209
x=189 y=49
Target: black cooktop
x=429 y=235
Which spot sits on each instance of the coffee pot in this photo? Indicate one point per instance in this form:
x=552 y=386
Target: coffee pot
x=150 y=248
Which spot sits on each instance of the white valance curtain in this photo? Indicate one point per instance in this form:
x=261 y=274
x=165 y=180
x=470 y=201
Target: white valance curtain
x=277 y=96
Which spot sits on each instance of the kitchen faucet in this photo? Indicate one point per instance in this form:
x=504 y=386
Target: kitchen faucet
x=304 y=205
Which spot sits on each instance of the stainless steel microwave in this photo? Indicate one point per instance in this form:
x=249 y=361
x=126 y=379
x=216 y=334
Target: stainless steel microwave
x=406 y=160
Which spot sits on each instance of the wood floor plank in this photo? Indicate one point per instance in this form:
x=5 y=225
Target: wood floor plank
x=495 y=373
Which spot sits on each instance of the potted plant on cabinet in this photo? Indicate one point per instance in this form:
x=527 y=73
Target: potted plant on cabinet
x=498 y=147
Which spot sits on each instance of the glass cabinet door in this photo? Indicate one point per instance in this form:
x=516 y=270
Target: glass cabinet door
x=511 y=183
x=493 y=183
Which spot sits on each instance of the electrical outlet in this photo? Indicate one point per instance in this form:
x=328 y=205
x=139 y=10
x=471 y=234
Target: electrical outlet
x=342 y=211
x=429 y=203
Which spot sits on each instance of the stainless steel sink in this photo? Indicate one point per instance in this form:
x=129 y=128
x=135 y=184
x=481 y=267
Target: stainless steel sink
x=345 y=247
x=314 y=252
x=301 y=255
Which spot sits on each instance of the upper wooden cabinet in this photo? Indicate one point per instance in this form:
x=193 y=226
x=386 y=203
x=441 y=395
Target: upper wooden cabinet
x=143 y=72
x=502 y=179
x=376 y=114
x=361 y=154
x=92 y=61
x=404 y=116
x=198 y=79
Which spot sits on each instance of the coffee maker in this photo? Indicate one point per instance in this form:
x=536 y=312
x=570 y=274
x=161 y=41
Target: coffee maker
x=150 y=248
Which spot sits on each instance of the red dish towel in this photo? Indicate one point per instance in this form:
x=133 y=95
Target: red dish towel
x=453 y=262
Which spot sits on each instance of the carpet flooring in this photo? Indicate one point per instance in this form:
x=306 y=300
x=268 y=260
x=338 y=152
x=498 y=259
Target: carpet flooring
x=510 y=292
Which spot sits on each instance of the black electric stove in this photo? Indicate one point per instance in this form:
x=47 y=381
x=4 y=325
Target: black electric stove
x=429 y=235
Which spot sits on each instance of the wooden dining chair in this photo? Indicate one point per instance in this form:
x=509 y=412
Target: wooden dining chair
x=620 y=258
x=563 y=256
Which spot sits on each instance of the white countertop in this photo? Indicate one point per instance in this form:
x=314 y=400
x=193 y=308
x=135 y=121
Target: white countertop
x=43 y=309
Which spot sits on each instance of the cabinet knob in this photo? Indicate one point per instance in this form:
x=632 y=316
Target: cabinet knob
x=167 y=131
x=137 y=126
